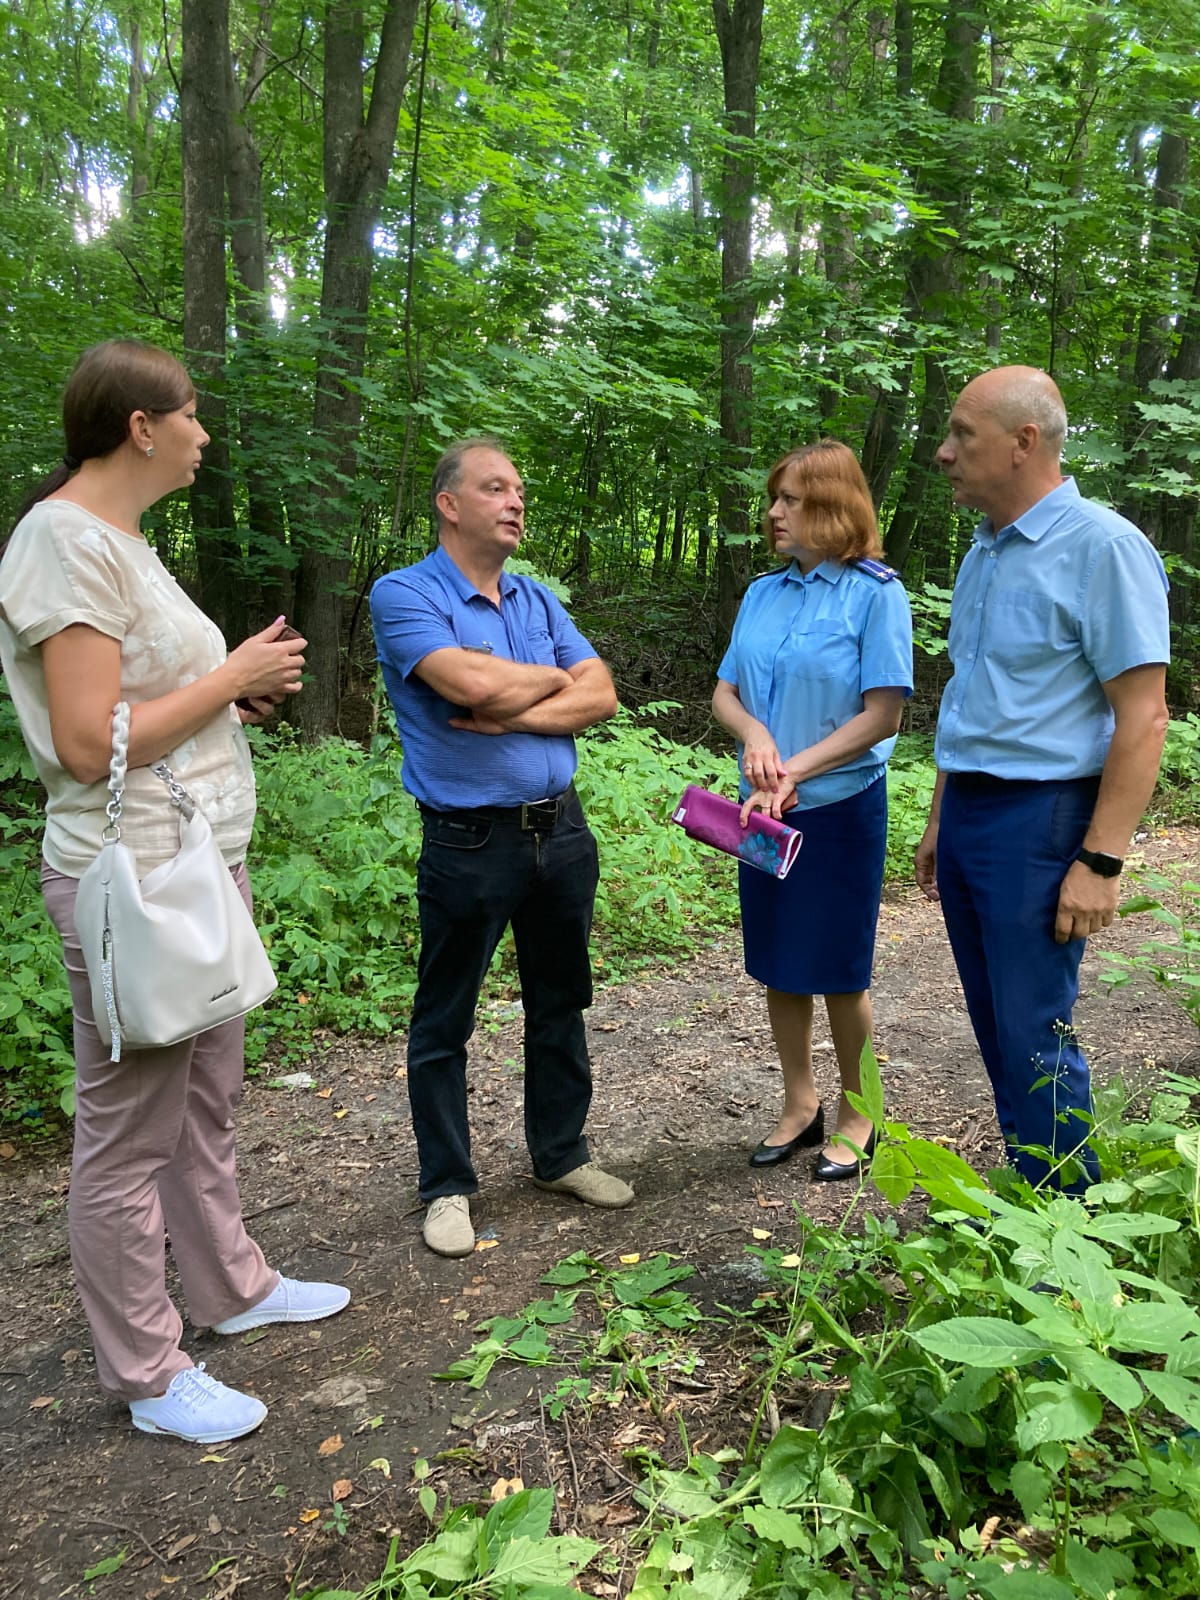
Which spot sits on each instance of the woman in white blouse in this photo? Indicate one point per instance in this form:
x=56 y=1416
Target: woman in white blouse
x=89 y=617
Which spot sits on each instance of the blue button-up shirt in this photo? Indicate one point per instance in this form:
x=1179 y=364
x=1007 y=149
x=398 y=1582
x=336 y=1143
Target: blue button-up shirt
x=804 y=650
x=1045 y=612
x=433 y=606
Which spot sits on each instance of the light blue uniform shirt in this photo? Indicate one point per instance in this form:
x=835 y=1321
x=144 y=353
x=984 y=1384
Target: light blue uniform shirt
x=1045 y=612
x=433 y=606
x=803 y=651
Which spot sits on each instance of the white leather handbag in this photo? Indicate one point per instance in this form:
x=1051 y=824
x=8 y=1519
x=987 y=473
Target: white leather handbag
x=177 y=952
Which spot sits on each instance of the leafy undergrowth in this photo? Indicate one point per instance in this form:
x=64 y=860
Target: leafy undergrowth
x=999 y=1405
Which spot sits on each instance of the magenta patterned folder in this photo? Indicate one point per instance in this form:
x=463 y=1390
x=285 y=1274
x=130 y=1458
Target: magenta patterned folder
x=763 y=843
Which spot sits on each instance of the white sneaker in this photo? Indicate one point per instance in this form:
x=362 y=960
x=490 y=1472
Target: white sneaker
x=291 y=1300
x=447 y=1228
x=199 y=1409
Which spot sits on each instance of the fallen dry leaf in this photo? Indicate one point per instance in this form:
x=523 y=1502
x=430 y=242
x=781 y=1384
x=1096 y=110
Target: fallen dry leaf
x=181 y=1545
x=309 y=1516
x=212 y=1456
x=42 y=1401
x=760 y=1233
x=769 y=1205
x=503 y=1487
x=381 y=1464
x=789 y=1261
x=631 y=1260
x=330 y=1446
x=342 y=1490
x=338 y=1115
x=486 y=1244
x=7 y=1151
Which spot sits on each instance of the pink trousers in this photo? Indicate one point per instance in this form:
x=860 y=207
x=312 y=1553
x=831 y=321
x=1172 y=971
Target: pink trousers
x=154 y=1146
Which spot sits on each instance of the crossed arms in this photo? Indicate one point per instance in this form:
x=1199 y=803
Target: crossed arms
x=516 y=697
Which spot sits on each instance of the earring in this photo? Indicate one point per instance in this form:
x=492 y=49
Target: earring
x=149 y=451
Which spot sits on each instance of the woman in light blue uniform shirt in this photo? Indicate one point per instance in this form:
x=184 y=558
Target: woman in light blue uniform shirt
x=813 y=685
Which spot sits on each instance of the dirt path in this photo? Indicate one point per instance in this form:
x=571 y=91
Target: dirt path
x=685 y=1086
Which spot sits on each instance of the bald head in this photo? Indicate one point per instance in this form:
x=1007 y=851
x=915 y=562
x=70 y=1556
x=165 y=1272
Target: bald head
x=1015 y=396
x=1001 y=452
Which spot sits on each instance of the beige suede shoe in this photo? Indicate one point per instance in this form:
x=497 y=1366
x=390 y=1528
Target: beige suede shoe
x=592 y=1185
x=447 y=1228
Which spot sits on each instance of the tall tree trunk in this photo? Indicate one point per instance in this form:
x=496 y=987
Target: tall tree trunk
x=202 y=118
x=358 y=154
x=739 y=33
x=247 y=239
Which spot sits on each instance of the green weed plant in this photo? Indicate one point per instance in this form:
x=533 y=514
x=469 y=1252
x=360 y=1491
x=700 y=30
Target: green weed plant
x=1012 y=1390
x=1172 y=958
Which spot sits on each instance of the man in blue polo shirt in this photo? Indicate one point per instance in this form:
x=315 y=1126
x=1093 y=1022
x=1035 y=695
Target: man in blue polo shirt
x=1048 y=744
x=490 y=680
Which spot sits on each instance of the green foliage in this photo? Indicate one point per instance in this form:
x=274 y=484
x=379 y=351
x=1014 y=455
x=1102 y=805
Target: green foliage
x=910 y=779
x=507 y=1553
x=643 y=1318
x=1179 y=780
x=35 y=1007
x=1025 y=1358
x=1172 y=960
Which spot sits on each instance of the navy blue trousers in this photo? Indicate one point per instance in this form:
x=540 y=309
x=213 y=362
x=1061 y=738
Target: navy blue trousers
x=1003 y=850
x=479 y=871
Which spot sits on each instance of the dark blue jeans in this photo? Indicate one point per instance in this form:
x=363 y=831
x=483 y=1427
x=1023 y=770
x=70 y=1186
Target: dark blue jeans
x=1003 y=850
x=478 y=872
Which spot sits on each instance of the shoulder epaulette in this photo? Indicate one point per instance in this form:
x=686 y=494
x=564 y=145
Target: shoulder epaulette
x=877 y=569
x=772 y=572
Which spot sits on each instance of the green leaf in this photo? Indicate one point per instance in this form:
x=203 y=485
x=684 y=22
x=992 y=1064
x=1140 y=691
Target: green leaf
x=872 y=1084
x=790 y=1465
x=1032 y=1486
x=1179 y=1395
x=780 y=1527
x=452 y=1556
x=527 y=1561
x=1176 y=1527
x=892 y=1174
x=1060 y=1412
x=526 y=1514
x=981 y=1342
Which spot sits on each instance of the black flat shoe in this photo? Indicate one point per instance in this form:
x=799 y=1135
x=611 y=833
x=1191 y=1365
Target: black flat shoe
x=770 y=1155
x=827 y=1171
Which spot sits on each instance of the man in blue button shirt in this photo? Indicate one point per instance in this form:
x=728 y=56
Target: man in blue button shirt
x=490 y=680
x=1048 y=744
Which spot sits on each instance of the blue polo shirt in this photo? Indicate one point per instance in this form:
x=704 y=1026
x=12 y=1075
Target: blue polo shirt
x=1045 y=612
x=433 y=606
x=804 y=649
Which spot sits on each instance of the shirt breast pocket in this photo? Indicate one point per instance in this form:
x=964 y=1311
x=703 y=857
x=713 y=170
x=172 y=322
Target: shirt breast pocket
x=824 y=650
x=541 y=648
x=1023 y=629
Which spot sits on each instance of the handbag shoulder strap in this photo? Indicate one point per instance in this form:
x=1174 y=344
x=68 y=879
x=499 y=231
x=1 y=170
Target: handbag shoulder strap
x=118 y=766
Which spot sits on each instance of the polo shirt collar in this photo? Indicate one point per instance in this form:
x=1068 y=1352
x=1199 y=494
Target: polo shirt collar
x=1039 y=519
x=461 y=584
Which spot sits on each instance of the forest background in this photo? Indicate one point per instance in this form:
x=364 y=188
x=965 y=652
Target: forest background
x=651 y=245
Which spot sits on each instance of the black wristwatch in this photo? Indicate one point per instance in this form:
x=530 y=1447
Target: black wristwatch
x=1104 y=866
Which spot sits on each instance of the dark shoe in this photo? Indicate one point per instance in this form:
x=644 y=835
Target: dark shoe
x=770 y=1155
x=827 y=1171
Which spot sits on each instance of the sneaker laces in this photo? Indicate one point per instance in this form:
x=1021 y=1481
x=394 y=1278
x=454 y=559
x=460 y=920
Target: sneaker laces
x=192 y=1386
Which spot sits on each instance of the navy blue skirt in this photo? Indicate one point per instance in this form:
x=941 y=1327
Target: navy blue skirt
x=813 y=932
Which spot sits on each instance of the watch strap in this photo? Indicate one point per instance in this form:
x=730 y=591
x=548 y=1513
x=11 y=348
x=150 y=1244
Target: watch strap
x=1098 y=861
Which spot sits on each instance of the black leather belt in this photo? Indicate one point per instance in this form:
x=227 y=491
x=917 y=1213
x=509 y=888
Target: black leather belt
x=535 y=816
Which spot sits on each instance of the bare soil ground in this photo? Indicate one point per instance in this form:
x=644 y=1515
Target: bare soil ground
x=686 y=1084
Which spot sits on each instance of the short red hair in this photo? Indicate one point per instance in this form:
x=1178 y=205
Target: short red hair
x=839 y=516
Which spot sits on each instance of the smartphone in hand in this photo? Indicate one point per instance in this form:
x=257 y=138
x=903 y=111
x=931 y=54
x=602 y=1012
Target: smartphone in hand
x=244 y=703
